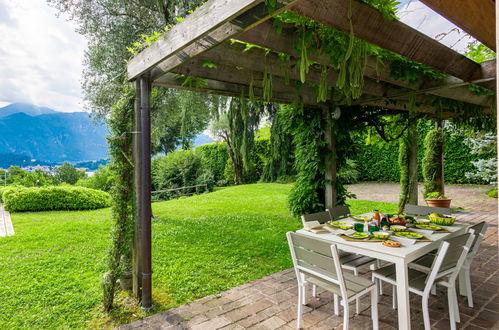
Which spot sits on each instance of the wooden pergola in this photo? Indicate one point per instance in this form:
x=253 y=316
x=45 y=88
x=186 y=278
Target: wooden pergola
x=206 y=35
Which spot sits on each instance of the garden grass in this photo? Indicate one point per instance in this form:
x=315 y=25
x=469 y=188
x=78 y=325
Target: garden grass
x=51 y=270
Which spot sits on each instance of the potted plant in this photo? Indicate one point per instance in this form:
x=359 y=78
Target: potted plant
x=436 y=199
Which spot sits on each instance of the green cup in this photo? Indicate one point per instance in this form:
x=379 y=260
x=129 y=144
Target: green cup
x=358 y=227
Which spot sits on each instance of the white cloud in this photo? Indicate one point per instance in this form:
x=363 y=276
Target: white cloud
x=420 y=17
x=40 y=56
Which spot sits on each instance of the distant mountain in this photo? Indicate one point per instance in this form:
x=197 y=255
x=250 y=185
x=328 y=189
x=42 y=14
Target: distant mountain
x=201 y=139
x=45 y=134
x=29 y=109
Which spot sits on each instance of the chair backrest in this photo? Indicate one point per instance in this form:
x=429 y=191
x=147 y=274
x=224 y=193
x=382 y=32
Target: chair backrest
x=339 y=212
x=411 y=209
x=479 y=231
x=322 y=217
x=450 y=257
x=316 y=258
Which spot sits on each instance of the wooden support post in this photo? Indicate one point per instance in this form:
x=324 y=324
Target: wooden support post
x=412 y=158
x=145 y=190
x=330 y=159
x=439 y=179
x=137 y=136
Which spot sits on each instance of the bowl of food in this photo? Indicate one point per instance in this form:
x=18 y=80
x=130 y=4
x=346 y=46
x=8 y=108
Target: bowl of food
x=422 y=221
x=398 y=228
x=441 y=220
x=381 y=234
x=408 y=234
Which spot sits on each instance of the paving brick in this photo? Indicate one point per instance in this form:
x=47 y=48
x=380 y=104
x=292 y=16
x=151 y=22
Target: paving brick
x=215 y=323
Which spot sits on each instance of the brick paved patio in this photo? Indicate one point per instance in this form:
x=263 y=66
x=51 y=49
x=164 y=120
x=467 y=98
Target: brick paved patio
x=270 y=302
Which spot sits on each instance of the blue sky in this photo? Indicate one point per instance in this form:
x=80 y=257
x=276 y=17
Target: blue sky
x=41 y=54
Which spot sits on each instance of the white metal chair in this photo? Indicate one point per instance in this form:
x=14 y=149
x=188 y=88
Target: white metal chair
x=411 y=209
x=444 y=271
x=424 y=263
x=318 y=263
x=349 y=261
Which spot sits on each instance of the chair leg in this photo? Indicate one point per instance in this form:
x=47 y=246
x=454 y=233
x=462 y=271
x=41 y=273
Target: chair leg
x=457 y=317
x=378 y=283
x=314 y=290
x=452 y=309
x=378 y=266
x=394 y=297
x=336 y=305
x=467 y=281
x=434 y=289
x=357 y=300
x=300 y=306
x=374 y=307
x=426 y=312
x=346 y=314
x=304 y=294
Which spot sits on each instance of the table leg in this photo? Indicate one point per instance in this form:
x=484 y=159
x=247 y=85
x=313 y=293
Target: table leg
x=403 y=295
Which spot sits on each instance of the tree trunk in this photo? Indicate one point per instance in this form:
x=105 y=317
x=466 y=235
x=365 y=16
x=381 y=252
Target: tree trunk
x=439 y=178
x=237 y=163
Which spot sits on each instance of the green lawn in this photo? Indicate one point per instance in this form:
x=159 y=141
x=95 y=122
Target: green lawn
x=50 y=271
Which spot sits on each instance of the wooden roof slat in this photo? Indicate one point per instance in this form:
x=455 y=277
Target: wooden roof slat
x=371 y=26
x=265 y=35
x=476 y=17
x=212 y=23
x=236 y=90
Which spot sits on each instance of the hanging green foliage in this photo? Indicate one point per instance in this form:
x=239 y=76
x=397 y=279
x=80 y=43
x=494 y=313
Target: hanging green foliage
x=119 y=257
x=433 y=162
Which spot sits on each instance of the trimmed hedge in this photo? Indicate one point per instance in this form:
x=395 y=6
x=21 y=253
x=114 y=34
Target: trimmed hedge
x=54 y=198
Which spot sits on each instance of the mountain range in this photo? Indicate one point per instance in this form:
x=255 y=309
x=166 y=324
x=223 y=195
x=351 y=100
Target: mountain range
x=45 y=134
x=30 y=132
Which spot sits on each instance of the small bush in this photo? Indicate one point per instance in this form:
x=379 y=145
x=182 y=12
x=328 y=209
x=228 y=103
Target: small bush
x=54 y=198
x=492 y=192
x=101 y=180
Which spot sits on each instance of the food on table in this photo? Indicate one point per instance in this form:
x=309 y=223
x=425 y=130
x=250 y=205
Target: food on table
x=360 y=217
x=422 y=221
x=391 y=243
x=397 y=220
x=398 y=228
x=429 y=227
x=441 y=219
x=381 y=234
x=359 y=235
x=342 y=225
x=408 y=234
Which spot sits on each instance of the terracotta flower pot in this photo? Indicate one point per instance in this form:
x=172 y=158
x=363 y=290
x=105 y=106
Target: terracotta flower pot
x=438 y=202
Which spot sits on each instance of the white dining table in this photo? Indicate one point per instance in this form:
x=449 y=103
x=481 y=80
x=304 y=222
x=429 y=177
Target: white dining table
x=400 y=256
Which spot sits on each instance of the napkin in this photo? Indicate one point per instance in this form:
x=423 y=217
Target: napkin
x=403 y=240
x=423 y=232
x=315 y=227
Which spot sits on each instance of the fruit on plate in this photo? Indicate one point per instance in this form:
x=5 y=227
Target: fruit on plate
x=359 y=235
x=396 y=220
x=398 y=228
x=391 y=243
x=440 y=219
x=381 y=234
x=408 y=234
x=429 y=227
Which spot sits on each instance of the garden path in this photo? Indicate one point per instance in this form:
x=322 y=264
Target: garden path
x=6 y=227
x=269 y=302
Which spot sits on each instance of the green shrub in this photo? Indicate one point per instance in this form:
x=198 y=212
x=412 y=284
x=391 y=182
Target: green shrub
x=492 y=192
x=213 y=159
x=54 y=198
x=101 y=180
x=6 y=189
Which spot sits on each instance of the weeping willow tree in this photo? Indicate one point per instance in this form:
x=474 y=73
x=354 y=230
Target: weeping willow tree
x=280 y=165
x=236 y=126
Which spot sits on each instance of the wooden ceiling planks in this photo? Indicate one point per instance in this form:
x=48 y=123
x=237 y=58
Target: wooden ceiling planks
x=369 y=25
x=476 y=17
x=212 y=23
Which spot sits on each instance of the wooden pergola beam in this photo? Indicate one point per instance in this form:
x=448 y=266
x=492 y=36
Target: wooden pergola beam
x=232 y=89
x=265 y=35
x=371 y=26
x=212 y=23
x=476 y=17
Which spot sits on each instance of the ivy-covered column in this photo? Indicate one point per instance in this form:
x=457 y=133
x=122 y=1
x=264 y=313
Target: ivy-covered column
x=433 y=161
x=329 y=159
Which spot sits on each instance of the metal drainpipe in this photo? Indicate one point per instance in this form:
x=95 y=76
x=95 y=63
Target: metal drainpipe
x=145 y=198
